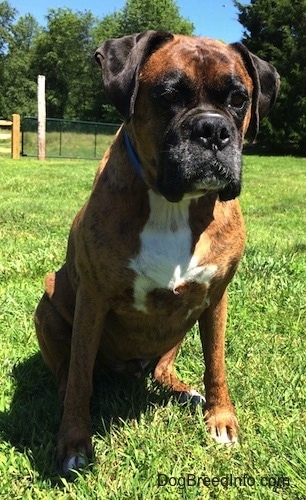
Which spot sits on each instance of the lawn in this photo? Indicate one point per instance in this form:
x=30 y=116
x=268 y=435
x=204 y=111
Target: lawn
x=89 y=142
x=140 y=437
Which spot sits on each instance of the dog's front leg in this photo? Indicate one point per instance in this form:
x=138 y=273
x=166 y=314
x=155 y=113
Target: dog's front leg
x=74 y=446
x=219 y=415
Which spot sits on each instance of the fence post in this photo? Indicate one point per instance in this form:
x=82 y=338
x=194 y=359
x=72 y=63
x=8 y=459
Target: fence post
x=60 y=144
x=95 y=147
x=15 y=140
x=41 y=132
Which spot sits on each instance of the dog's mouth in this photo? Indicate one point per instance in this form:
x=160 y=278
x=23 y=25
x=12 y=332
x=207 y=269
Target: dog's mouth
x=187 y=179
x=198 y=159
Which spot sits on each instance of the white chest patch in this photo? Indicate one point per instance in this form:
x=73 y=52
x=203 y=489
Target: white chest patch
x=165 y=259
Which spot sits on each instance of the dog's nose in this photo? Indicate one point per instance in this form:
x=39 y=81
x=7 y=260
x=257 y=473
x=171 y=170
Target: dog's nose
x=212 y=130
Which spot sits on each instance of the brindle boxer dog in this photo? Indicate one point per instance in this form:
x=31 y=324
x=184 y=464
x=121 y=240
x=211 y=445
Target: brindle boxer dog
x=153 y=250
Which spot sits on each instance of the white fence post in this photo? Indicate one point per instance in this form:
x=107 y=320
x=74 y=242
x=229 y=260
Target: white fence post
x=41 y=126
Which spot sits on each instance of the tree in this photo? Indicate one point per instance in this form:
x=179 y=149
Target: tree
x=64 y=54
x=19 y=84
x=7 y=16
x=276 y=31
x=140 y=15
x=161 y=15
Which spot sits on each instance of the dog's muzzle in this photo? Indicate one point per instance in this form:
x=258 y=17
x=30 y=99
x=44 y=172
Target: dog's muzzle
x=202 y=153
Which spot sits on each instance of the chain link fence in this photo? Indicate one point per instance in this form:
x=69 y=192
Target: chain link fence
x=68 y=138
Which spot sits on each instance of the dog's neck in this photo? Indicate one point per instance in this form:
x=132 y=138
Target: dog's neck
x=132 y=155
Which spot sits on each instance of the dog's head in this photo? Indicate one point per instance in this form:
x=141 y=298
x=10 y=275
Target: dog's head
x=188 y=103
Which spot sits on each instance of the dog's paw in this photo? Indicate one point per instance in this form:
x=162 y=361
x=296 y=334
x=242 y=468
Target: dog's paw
x=74 y=463
x=191 y=397
x=222 y=425
x=73 y=454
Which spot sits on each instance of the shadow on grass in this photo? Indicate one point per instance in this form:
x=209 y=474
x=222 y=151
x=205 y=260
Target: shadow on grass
x=32 y=422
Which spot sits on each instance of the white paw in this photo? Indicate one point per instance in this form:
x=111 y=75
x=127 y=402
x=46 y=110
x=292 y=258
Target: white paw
x=223 y=437
x=74 y=463
x=193 y=397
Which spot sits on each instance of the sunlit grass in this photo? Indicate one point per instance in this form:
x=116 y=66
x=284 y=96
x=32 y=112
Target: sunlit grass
x=70 y=144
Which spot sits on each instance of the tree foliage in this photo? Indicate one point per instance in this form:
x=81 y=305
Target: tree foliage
x=140 y=15
x=7 y=16
x=17 y=89
x=63 y=51
x=276 y=31
x=163 y=15
x=20 y=88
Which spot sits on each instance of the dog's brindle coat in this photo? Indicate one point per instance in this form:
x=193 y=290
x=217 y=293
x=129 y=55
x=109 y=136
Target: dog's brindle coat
x=150 y=255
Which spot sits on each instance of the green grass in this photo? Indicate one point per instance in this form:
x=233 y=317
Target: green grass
x=5 y=147
x=71 y=144
x=137 y=433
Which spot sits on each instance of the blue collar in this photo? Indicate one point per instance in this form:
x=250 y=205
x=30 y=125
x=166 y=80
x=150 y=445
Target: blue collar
x=132 y=155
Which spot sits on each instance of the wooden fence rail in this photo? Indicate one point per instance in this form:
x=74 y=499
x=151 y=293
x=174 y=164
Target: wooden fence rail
x=14 y=135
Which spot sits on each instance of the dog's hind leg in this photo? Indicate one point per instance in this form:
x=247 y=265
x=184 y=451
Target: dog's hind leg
x=54 y=329
x=165 y=375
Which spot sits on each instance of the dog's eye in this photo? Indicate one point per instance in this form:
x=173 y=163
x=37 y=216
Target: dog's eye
x=171 y=95
x=237 y=100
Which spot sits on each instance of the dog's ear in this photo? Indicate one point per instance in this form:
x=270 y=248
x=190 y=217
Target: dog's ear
x=121 y=60
x=266 y=82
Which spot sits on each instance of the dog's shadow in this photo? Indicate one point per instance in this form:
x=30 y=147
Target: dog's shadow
x=31 y=423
